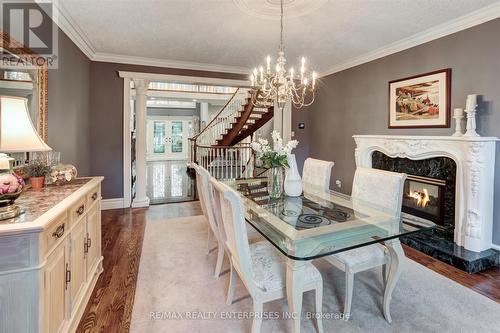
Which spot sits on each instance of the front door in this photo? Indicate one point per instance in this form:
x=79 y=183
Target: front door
x=168 y=138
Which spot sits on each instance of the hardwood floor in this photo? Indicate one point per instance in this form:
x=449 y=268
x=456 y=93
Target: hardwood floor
x=110 y=307
x=486 y=283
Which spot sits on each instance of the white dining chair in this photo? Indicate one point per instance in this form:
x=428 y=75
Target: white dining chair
x=382 y=190
x=260 y=267
x=316 y=175
x=204 y=192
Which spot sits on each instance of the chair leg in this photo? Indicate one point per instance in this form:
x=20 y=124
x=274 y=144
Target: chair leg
x=319 y=306
x=232 y=284
x=209 y=239
x=349 y=284
x=257 y=320
x=220 y=259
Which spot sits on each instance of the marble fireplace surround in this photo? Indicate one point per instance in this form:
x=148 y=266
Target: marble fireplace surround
x=475 y=160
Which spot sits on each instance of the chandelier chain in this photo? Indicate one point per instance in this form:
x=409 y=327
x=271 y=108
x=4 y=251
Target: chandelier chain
x=281 y=27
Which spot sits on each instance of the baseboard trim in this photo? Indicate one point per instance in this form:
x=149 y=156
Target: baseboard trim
x=115 y=203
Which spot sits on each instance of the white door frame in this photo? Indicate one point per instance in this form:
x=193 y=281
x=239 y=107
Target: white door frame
x=170 y=118
x=127 y=143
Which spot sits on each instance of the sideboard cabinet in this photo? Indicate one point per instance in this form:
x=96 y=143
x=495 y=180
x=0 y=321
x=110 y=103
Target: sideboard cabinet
x=50 y=258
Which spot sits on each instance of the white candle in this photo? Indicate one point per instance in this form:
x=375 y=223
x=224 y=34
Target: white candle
x=471 y=102
x=268 y=64
x=314 y=80
x=458 y=112
x=261 y=69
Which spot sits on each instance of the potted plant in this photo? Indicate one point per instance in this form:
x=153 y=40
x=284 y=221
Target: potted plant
x=274 y=158
x=37 y=170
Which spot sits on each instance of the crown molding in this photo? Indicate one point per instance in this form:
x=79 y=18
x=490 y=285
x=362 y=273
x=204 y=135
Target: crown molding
x=68 y=25
x=143 y=61
x=472 y=19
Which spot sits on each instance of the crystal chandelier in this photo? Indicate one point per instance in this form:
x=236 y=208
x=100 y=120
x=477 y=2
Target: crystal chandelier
x=281 y=85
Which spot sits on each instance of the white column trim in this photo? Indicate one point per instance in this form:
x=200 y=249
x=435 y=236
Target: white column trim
x=287 y=122
x=141 y=88
x=184 y=79
x=127 y=145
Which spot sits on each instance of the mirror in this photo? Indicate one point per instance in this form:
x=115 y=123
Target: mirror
x=18 y=77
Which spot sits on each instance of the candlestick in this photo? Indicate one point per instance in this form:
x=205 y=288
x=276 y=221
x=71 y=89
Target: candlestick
x=458 y=115
x=471 y=102
x=471 y=115
x=458 y=112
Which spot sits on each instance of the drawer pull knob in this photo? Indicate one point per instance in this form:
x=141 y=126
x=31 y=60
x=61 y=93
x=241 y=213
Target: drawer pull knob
x=94 y=196
x=80 y=210
x=59 y=231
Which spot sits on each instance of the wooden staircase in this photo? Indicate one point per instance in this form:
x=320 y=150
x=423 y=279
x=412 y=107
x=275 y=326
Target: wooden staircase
x=251 y=118
x=221 y=147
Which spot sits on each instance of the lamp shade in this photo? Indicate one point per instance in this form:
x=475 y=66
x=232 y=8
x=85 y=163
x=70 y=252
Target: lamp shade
x=17 y=133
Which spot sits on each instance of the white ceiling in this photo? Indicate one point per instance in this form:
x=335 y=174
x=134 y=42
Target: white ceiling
x=235 y=35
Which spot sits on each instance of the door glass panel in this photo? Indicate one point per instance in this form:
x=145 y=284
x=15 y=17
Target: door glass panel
x=176 y=136
x=159 y=137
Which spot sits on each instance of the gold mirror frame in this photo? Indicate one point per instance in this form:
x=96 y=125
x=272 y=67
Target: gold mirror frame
x=16 y=48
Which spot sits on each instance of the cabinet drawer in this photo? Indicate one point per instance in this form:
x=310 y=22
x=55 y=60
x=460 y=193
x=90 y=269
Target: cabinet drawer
x=57 y=230
x=78 y=210
x=93 y=195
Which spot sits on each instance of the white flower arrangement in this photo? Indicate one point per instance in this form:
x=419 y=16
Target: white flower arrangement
x=277 y=155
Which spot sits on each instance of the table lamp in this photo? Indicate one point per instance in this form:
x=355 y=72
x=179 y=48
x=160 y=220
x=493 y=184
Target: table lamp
x=17 y=135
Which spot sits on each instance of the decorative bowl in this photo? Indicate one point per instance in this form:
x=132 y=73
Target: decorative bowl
x=9 y=198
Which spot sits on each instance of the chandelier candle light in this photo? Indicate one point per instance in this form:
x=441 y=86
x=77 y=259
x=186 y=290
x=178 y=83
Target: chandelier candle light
x=281 y=85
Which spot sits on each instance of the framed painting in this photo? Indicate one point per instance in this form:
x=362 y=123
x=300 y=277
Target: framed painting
x=421 y=101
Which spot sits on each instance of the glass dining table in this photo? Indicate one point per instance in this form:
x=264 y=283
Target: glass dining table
x=322 y=223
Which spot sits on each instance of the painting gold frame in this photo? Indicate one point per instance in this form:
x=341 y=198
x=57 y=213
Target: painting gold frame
x=16 y=48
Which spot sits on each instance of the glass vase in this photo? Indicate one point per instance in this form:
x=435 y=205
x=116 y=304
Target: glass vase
x=275 y=182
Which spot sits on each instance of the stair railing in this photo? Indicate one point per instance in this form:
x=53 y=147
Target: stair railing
x=227 y=162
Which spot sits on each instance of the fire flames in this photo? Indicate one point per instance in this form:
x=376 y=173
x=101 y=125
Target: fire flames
x=421 y=197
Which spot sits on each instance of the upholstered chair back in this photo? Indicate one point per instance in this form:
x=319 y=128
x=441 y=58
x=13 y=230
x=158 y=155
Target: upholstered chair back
x=233 y=218
x=205 y=193
x=216 y=206
x=316 y=175
x=381 y=189
x=199 y=187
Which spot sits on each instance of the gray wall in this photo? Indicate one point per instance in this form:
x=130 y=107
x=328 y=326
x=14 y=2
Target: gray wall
x=69 y=104
x=106 y=119
x=354 y=101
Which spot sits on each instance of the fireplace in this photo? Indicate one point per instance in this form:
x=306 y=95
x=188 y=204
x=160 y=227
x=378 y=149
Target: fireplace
x=424 y=197
x=458 y=174
x=429 y=190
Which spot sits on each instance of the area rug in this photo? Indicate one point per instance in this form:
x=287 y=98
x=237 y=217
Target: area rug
x=176 y=292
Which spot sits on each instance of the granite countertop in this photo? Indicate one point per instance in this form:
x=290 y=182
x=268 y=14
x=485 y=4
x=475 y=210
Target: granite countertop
x=37 y=202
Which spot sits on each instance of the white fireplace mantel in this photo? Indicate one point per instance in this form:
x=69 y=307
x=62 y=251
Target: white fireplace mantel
x=475 y=160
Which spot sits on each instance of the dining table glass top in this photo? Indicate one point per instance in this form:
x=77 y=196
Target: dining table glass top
x=320 y=223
